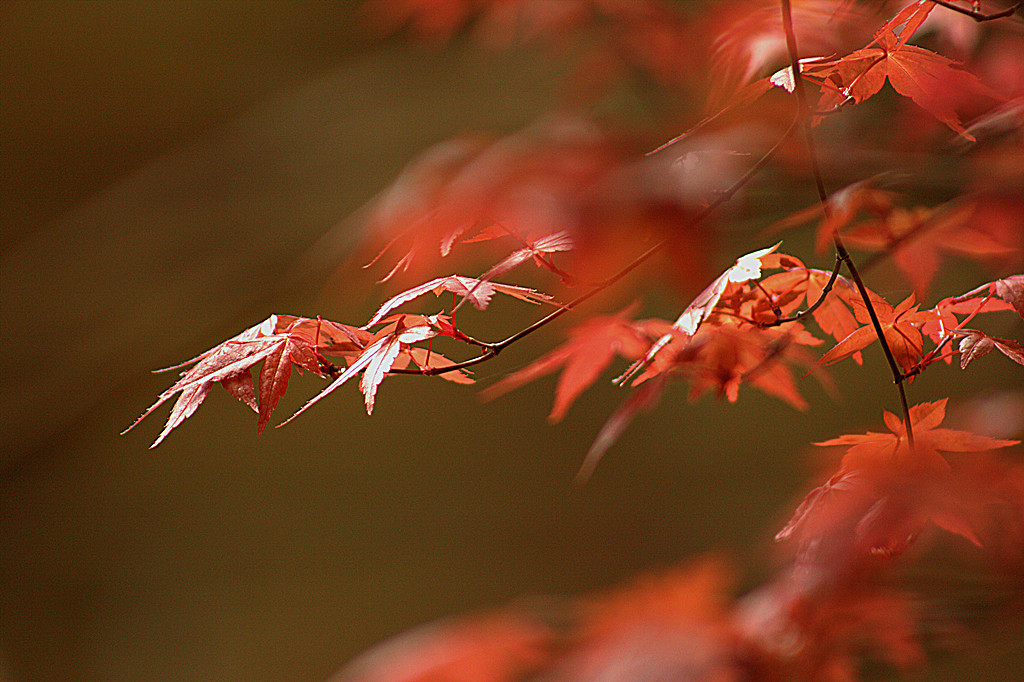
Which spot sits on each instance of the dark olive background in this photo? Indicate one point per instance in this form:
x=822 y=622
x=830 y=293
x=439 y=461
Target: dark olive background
x=166 y=169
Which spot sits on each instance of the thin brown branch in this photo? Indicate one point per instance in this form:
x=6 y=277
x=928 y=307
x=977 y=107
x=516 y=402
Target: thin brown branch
x=897 y=373
x=841 y=252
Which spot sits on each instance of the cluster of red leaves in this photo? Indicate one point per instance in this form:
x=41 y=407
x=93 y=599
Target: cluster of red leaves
x=729 y=336
x=935 y=83
x=753 y=40
x=282 y=341
x=886 y=491
x=279 y=342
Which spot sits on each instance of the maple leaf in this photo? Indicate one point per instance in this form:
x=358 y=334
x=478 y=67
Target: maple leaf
x=427 y=359
x=277 y=368
x=374 y=362
x=324 y=336
x=240 y=386
x=719 y=358
x=590 y=349
x=900 y=326
x=227 y=361
x=696 y=591
x=537 y=249
x=917 y=237
x=885 y=493
x=928 y=438
x=788 y=290
x=975 y=343
x=1011 y=290
x=279 y=342
x=932 y=81
x=835 y=614
x=478 y=291
x=747 y=267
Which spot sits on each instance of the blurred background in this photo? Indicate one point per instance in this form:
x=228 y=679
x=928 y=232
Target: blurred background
x=166 y=169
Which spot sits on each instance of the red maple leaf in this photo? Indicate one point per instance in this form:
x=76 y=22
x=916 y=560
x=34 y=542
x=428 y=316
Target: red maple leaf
x=901 y=327
x=375 y=360
x=885 y=492
x=928 y=437
x=279 y=342
x=477 y=291
x=590 y=349
x=787 y=291
x=277 y=368
x=538 y=249
x=719 y=358
x=933 y=82
x=747 y=267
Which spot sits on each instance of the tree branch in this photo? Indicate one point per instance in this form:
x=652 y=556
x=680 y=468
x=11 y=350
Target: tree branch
x=841 y=252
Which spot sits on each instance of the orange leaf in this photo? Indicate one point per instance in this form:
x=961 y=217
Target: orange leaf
x=884 y=494
x=932 y=81
x=900 y=326
x=478 y=291
x=747 y=267
x=591 y=348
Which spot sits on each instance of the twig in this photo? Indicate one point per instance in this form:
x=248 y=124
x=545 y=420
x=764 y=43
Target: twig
x=779 y=320
x=977 y=15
